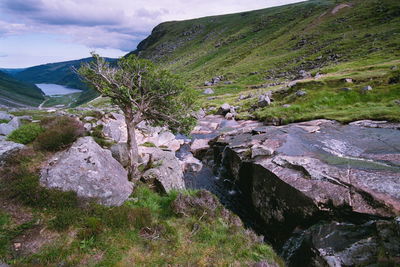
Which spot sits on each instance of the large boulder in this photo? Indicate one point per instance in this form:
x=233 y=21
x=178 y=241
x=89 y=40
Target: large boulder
x=7 y=149
x=114 y=127
x=5 y=116
x=311 y=169
x=165 y=169
x=7 y=128
x=345 y=244
x=120 y=153
x=90 y=171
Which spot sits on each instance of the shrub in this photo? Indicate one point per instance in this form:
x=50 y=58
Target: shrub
x=59 y=133
x=26 y=133
x=394 y=77
x=92 y=227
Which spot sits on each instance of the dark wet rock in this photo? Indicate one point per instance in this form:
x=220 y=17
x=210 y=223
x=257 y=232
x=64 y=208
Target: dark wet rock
x=208 y=91
x=90 y=171
x=319 y=168
x=345 y=244
x=199 y=147
x=301 y=93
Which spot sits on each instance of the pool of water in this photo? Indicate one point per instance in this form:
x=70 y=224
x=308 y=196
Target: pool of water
x=56 y=89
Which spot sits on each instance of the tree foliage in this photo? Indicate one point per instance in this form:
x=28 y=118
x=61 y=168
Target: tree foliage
x=143 y=91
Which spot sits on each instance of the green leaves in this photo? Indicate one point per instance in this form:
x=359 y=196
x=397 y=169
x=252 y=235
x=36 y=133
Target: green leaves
x=142 y=90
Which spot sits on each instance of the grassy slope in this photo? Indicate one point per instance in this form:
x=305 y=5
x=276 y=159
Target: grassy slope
x=361 y=42
x=59 y=73
x=19 y=92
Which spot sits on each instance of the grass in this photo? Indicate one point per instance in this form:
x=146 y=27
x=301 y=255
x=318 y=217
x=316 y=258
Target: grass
x=25 y=134
x=148 y=230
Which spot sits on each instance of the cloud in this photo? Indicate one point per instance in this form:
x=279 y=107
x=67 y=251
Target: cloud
x=118 y=24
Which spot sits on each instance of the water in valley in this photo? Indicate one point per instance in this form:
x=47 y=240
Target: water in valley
x=56 y=89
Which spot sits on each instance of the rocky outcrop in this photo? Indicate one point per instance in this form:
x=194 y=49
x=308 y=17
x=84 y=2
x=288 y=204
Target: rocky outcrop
x=164 y=169
x=7 y=128
x=90 y=171
x=8 y=148
x=345 y=244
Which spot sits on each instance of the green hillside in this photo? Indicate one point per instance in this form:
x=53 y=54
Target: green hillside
x=15 y=93
x=59 y=73
x=358 y=39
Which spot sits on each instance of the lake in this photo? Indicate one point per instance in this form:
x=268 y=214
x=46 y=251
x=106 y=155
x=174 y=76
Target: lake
x=56 y=89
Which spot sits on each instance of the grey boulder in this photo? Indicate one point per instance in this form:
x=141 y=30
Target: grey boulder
x=166 y=171
x=5 y=116
x=90 y=171
x=208 y=91
x=7 y=148
x=7 y=128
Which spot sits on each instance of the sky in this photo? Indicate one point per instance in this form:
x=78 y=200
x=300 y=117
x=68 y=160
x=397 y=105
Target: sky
x=34 y=32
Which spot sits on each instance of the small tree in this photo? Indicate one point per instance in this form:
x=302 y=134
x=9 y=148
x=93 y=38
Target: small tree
x=143 y=92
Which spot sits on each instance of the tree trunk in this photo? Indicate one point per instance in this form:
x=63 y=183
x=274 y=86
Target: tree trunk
x=133 y=151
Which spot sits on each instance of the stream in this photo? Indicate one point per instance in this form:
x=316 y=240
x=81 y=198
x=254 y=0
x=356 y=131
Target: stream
x=343 y=239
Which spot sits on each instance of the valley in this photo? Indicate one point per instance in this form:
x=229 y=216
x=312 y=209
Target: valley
x=296 y=136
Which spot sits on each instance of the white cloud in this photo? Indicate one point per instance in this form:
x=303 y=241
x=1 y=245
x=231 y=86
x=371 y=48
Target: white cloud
x=117 y=24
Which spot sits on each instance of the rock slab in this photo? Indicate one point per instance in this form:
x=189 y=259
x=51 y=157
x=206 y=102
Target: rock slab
x=90 y=171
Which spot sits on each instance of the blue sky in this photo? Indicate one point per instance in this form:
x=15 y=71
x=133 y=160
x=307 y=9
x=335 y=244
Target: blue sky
x=34 y=32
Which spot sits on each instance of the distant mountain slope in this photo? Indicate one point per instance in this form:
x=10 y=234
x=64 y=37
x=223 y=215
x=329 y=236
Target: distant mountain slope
x=59 y=73
x=14 y=93
x=11 y=71
x=276 y=42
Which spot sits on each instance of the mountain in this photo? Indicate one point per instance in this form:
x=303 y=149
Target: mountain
x=11 y=71
x=263 y=48
x=14 y=93
x=60 y=73
x=307 y=35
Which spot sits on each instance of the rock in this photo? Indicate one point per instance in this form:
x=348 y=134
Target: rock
x=200 y=114
x=367 y=88
x=348 y=80
x=87 y=126
x=224 y=109
x=286 y=105
x=317 y=168
x=304 y=74
x=2 y=264
x=89 y=118
x=243 y=97
x=229 y=116
x=301 y=93
x=344 y=244
x=208 y=91
x=120 y=153
x=5 y=116
x=259 y=150
x=397 y=101
x=228 y=82
x=207 y=83
x=7 y=149
x=199 y=146
x=291 y=84
x=217 y=79
x=318 y=75
x=191 y=164
x=346 y=89
x=90 y=171
x=7 y=128
x=263 y=101
x=114 y=127
x=166 y=171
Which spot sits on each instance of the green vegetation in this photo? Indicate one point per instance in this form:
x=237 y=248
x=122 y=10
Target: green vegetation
x=59 y=132
x=148 y=230
x=15 y=93
x=25 y=134
x=270 y=46
x=144 y=92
